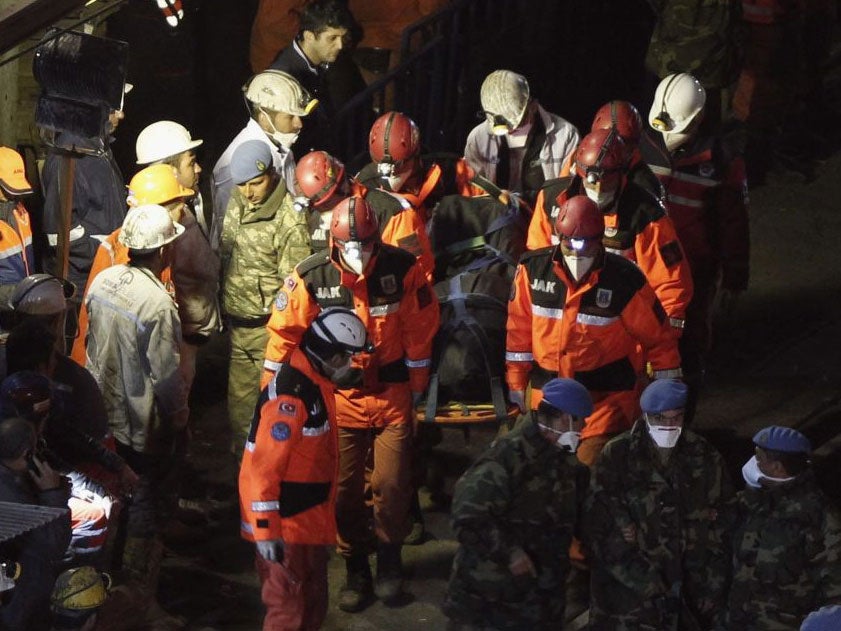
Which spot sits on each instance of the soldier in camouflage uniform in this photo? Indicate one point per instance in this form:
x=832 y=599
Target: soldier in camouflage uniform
x=655 y=523
x=514 y=513
x=787 y=540
x=263 y=238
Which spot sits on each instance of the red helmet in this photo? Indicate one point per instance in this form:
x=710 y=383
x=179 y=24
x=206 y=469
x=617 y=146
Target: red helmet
x=353 y=219
x=600 y=152
x=579 y=217
x=319 y=175
x=621 y=115
x=394 y=138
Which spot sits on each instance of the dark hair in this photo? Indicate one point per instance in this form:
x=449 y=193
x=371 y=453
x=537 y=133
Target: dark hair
x=29 y=346
x=793 y=463
x=16 y=436
x=320 y=15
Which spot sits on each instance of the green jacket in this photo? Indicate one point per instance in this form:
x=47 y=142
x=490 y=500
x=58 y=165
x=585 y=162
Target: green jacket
x=260 y=247
x=786 y=549
x=522 y=492
x=656 y=532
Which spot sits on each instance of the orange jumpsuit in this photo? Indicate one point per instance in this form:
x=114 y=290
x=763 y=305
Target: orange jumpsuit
x=595 y=333
x=639 y=229
x=400 y=311
x=287 y=490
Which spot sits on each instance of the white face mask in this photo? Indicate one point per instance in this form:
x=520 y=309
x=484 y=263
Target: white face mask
x=517 y=138
x=578 y=266
x=602 y=198
x=285 y=140
x=396 y=182
x=355 y=258
x=674 y=140
x=568 y=440
x=664 y=436
x=752 y=474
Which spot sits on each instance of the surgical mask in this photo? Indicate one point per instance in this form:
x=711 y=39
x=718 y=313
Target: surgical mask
x=602 y=198
x=567 y=440
x=285 y=140
x=578 y=266
x=674 y=140
x=752 y=474
x=664 y=436
x=396 y=181
x=517 y=138
x=355 y=257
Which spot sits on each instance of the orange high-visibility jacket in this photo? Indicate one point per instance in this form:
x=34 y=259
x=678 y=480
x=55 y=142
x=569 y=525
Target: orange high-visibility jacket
x=416 y=196
x=640 y=230
x=287 y=481
x=400 y=311
x=595 y=332
x=400 y=224
x=16 y=256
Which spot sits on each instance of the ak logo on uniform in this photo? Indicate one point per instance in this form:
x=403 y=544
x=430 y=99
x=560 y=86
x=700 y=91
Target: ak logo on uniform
x=327 y=292
x=546 y=286
x=389 y=284
x=603 y=297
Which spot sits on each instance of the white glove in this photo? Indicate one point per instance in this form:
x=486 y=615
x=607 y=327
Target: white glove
x=518 y=398
x=271 y=550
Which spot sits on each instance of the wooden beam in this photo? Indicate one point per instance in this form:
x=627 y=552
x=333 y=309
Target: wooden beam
x=26 y=17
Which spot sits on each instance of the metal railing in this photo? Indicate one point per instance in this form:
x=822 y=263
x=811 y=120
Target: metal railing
x=443 y=59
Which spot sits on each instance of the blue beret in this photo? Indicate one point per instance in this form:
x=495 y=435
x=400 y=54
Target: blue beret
x=824 y=619
x=567 y=395
x=779 y=438
x=662 y=395
x=250 y=159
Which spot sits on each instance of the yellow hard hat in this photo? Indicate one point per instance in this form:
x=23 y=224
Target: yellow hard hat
x=156 y=184
x=80 y=588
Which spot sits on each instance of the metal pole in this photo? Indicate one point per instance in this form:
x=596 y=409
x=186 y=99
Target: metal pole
x=67 y=170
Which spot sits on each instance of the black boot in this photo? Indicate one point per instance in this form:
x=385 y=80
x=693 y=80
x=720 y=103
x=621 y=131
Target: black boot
x=389 y=585
x=357 y=590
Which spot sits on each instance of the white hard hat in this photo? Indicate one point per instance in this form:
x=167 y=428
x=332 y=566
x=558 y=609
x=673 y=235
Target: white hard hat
x=506 y=94
x=336 y=330
x=41 y=294
x=149 y=227
x=279 y=92
x=163 y=139
x=677 y=101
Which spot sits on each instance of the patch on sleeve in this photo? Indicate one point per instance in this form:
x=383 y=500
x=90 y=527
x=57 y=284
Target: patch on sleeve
x=410 y=243
x=424 y=296
x=291 y=283
x=671 y=253
x=287 y=408
x=282 y=300
x=281 y=431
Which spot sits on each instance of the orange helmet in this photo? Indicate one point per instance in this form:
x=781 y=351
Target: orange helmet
x=394 y=138
x=319 y=175
x=156 y=184
x=601 y=152
x=579 y=217
x=621 y=115
x=353 y=219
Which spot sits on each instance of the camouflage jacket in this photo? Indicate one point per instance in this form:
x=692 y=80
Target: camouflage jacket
x=697 y=37
x=260 y=247
x=522 y=492
x=786 y=549
x=656 y=531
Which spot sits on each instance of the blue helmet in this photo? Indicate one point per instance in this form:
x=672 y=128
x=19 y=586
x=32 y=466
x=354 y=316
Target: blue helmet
x=567 y=395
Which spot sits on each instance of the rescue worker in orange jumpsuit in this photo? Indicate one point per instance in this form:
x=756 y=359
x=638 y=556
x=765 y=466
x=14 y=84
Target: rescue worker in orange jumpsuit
x=619 y=115
x=707 y=199
x=388 y=290
x=323 y=181
x=580 y=311
x=397 y=165
x=287 y=480
x=636 y=224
